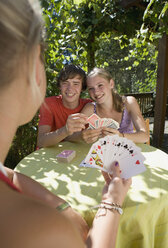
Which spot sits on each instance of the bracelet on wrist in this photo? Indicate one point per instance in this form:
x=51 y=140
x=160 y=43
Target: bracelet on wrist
x=119 y=210
x=109 y=206
x=63 y=206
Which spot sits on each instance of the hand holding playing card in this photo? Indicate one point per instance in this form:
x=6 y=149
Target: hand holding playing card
x=75 y=123
x=109 y=131
x=115 y=190
x=114 y=148
x=91 y=135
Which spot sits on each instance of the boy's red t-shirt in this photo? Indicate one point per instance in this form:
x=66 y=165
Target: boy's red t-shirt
x=54 y=114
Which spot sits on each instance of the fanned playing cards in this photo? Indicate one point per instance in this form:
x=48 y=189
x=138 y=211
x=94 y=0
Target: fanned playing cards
x=95 y=122
x=114 y=148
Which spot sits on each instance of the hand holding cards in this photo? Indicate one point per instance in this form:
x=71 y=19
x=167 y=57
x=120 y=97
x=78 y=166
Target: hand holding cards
x=114 y=148
x=95 y=122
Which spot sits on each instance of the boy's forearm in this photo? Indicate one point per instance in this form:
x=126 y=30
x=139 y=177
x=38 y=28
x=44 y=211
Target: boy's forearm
x=77 y=136
x=52 y=138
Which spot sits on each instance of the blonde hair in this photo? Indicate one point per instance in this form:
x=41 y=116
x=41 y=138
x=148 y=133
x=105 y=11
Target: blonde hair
x=20 y=33
x=118 y=101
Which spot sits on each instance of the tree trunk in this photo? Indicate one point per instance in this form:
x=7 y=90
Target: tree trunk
x=91 y=51
x=161 y=92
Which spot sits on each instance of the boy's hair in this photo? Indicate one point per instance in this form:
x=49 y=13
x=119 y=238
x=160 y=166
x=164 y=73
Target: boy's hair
x=70 y=71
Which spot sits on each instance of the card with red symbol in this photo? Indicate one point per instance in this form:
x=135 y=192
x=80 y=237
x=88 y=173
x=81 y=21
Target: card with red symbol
x=95 y=122
x=114 y=148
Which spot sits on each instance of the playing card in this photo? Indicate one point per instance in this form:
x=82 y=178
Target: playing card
x=113 y=124
x=114 y=148
x=92 y=119
x=101 y=121
x=91 y=127
x=131 y=166
x=96 y=122
x=93 y=159
x=84 y=164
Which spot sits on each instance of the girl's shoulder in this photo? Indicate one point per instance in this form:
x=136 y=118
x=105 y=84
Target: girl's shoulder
x=88 y=109
x=129 y=100
x=131 y=103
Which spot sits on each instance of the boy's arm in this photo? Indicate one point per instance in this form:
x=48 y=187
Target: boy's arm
x=47 y=138
x=75 y=123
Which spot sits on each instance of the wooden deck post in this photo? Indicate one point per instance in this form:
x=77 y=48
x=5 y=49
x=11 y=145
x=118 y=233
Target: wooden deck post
x=161 y=92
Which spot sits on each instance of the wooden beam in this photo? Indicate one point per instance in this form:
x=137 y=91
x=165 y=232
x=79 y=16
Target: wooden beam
x=161 y=92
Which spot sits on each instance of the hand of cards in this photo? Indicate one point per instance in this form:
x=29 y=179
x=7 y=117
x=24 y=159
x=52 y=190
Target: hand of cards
x=114 y=148
x=95 y=122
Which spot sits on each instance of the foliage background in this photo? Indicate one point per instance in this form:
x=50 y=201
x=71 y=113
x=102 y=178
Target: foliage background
x=102 y=33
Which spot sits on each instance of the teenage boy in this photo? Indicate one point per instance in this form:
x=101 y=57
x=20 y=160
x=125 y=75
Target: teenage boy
x=59 y=115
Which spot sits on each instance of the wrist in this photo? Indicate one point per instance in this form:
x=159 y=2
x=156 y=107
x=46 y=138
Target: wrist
x=66 y=130
x=104 y=206
x=118 y=201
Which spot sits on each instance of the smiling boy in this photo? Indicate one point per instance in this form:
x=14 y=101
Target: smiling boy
x=59 y=115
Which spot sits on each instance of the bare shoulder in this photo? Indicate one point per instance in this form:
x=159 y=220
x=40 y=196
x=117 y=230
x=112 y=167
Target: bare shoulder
x=32 y=224
x=88 y=109
x=131 y=103
x=130 y=100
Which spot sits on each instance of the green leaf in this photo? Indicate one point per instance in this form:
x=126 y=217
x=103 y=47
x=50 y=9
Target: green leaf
x=163 y=11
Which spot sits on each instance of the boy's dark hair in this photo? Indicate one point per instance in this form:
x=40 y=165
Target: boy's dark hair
x=70 y=71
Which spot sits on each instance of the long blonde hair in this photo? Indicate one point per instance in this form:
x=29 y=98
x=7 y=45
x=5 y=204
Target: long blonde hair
x=118 y=101
x=20 y=33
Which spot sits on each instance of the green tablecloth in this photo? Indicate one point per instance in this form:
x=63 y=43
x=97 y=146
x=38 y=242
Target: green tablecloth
x=144 y=223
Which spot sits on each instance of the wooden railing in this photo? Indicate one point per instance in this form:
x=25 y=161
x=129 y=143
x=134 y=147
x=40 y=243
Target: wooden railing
x=145 y=101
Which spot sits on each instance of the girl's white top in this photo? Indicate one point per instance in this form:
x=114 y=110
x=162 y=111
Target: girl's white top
x=2 y=169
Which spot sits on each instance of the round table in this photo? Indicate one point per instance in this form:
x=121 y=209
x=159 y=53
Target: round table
x=144 y=223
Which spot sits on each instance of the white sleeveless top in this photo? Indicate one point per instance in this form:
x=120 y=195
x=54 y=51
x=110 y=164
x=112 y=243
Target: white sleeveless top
x=2 y=169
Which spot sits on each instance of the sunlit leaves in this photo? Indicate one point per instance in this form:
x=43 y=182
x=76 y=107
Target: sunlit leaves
x=155 y=20
x=76 y=33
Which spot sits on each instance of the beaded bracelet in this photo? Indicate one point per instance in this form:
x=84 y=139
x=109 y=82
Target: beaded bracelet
x=109 y=206
x=63 y=206
x=119 y=210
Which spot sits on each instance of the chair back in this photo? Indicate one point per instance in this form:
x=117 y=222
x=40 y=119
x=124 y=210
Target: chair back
x=148 y=130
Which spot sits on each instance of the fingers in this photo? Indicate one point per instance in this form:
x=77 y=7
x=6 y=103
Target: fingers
x=90 y=136
x=116 y=188
x=109 y=131
x=115 y=172
x=107 y=177
x=75 y=123
x=115 y=168
x=127 y=182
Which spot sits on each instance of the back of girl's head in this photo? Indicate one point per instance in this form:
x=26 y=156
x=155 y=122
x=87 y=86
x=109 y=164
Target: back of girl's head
x=20 y=33
x=71 y=71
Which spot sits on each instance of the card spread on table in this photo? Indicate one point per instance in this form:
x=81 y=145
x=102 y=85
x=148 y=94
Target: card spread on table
x=114 y=148
x=95 y=122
